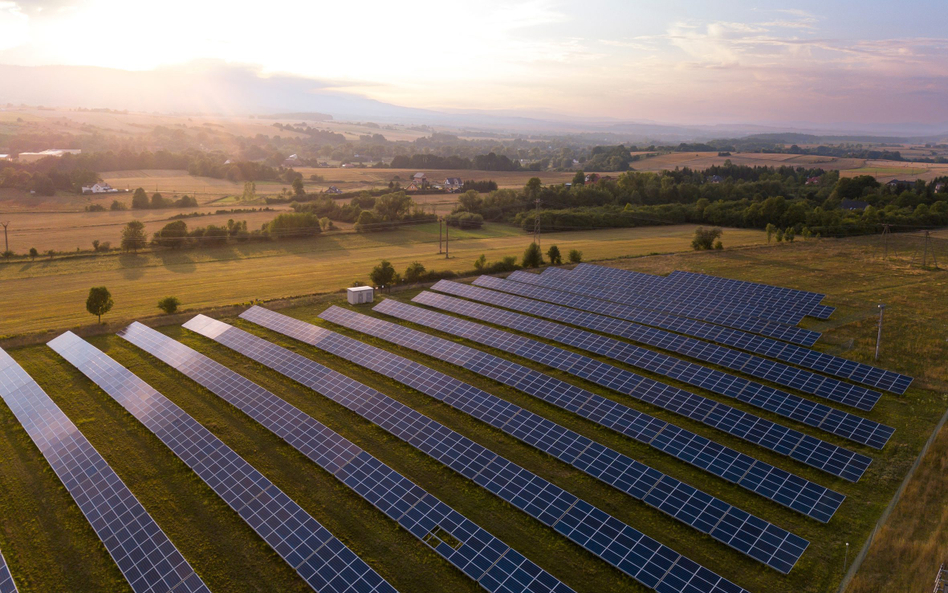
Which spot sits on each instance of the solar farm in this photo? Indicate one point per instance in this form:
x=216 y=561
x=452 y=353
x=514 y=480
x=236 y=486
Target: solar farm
x=593 y=429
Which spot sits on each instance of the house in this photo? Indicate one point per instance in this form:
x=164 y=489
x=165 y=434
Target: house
x=4 y=157
x=814 y=180
x=853 y=205
x=898 y=183
x=715 y=179
x=332 y=189
x=940 y=187
x=99 y=188
x=453 y=183
x=592 y=178
x=291 y=161
x=414 y=186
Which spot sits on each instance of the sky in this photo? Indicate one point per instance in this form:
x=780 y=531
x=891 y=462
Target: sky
x=669 y=61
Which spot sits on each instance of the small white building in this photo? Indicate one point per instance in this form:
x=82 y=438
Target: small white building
x=32 y=157
x=358 y=295
x=99 y=188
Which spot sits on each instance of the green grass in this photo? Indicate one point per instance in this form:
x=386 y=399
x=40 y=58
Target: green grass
x=51 y=548
x=57 y=289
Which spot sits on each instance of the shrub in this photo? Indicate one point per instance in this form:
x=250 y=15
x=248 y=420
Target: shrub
x=169 y=304
x=480 y=262
x=294 y=224
x=415 y=272
x=33 y=253
x=532 y=258
x=718 y=245
x=704 y=238
x=554 y=254
x=575 y=256
x=383 y=274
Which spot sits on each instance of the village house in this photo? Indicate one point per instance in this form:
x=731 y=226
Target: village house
x=291 y=161
x=99 y=188
x=592 y=178
x=453 y=183
x=715 y=179
x=814 y=180
x=853 y=205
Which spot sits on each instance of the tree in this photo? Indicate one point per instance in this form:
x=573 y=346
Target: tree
x=532 y=257
x=99 y=302
x=133 y=236
x=579 y=178
x=554 y=254
x=480 y=262
x=116 y=205
x=51 y=253
x=7 y=254
x=704 y=238
x=95 y=245
x=174 y=234
x=383 y=274
x=169 y=304
x=158 y=201
x=788 y=234
x=33 y=253
x=415 y=272
x=393 y=206
x=575 y=256
x=250 y=192
x=470 y=201
x=533 y=187
x=771 y=229
x=298 y=187
x=140 y=200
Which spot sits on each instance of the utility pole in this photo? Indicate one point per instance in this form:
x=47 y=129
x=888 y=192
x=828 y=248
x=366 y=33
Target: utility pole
x=440 y=225
x=885 y=241
x=536 y=224
x=925 y=252
x=846 y=558
x=6 y=241
x=879 y=334
x=447 y=240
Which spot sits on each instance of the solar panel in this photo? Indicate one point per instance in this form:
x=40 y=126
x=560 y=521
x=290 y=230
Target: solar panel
x=785 y=308
x=526 y=491
x=324 y=562
x=610 y=290
x=147 y=558
x=688 y=372
x=781 y=548
x=745 y=306
x=475 y=552
x=762 y=478
x=536 y=286
x=794 y=444
x=6 y=579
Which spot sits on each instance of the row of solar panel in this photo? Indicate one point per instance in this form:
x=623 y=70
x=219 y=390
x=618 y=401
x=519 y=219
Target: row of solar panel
x=804 y=448
x=323 y=561
x=147 y=558
x=746 y=533
x=807 y=304
x=6 y=579
x=627 y=549
x=762 y=478
x=770 y=305
x=536 y=287
x=788 y=405
x=612 y=290
x=660 y=288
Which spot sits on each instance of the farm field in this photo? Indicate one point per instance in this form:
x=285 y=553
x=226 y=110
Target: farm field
x=703 y=160
x=243 y=272
x=66 y=231
x=211 y=536
x=888 y=170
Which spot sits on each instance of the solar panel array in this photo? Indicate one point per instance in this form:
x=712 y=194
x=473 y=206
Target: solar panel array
x=762 y=478
x=790 y=310
x=6 y=579
x=536 y=286
x=794 y=444
x=843 y=424
x=647 y=561
x=611 y=289
x=480 y=556
x=746 y=533
x=323 y=561
x=147 y=558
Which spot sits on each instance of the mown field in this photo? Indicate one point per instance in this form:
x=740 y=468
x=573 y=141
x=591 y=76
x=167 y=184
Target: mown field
x=703 y=160
x=54 y=550
x=239 y=273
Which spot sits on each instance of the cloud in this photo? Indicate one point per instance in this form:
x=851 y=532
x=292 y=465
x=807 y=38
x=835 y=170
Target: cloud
x=14 y=25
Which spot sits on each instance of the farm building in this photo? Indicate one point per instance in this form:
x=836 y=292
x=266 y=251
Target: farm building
x=715 y=179
x=32 y=157
x=99 y=188
x=814 y=180
x=592 y=177
x=291 y=161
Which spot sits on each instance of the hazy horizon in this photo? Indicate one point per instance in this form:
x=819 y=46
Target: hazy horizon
x=684 y=62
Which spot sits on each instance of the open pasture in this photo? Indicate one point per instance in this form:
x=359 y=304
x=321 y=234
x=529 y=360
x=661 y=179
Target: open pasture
x=703 y=160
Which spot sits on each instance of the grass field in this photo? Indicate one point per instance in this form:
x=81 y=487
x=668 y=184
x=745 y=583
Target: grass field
x=44 y=548
x=703 y=160
x=243 y=272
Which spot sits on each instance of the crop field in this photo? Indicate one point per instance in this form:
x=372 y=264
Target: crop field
x=703 y=160
x=55 y=550
x=243 y=272
x=67 y=231
x=350 y=179
x=888 y=170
